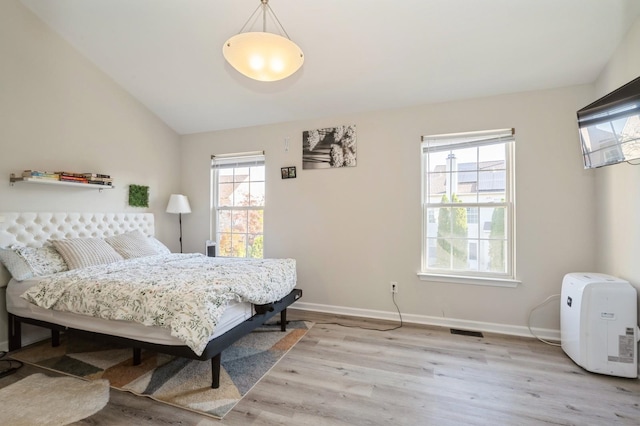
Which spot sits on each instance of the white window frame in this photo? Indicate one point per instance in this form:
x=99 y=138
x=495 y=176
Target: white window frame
x=235 y=160
x=474 y=215
x=438 y=143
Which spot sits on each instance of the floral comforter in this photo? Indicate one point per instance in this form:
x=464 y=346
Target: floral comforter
x=186 y=293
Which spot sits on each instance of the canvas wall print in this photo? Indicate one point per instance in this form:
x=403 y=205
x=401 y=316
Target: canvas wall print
x=329 y=148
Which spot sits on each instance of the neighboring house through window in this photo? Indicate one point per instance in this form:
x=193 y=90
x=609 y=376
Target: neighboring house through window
x=468 y=188
x=238 y=200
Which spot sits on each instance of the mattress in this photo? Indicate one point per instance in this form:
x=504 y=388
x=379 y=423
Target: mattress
x=236 y=313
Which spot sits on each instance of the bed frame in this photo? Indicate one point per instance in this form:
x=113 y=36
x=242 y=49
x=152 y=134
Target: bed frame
x=213 y=350
x=33 y=229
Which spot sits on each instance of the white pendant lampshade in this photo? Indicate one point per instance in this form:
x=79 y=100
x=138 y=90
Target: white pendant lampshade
x=261 y=55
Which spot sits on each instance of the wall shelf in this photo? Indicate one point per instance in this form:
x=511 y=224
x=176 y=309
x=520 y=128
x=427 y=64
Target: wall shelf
x=13 y=180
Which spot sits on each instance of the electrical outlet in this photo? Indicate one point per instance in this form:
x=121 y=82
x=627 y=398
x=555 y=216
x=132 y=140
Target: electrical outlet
x=393 y=287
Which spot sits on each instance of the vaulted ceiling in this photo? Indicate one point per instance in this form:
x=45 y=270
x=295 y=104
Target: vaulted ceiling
x=360 y=55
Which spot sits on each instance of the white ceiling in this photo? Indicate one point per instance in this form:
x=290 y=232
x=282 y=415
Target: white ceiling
x=360 y=55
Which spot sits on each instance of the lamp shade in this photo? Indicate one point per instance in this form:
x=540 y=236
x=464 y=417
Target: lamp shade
x=263 y=56
x=178 y=203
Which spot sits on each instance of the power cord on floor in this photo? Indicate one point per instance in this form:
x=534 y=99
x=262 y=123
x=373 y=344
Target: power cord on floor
x=545 y=301
x=8 y=366
x=393 y=296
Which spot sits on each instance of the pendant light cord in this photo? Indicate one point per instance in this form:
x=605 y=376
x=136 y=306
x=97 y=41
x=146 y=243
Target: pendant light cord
x=264 y=4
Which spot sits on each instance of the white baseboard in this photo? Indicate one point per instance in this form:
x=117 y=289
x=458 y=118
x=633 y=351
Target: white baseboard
x=488 y=327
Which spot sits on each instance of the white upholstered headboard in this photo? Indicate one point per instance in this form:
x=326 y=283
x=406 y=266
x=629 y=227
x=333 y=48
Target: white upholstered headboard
x=34 y=229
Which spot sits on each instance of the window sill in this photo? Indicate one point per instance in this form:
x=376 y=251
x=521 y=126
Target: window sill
x=460 y=279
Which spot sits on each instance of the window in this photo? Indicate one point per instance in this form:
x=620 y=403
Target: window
x=472 y=215
x=473 y=251
x=467 y=186
x=238 y=199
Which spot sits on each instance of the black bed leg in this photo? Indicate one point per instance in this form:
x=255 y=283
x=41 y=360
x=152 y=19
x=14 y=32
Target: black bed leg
x=137 y=356
x=55 y=338
x=283 y=320
x=215 y=371
x=15 y=333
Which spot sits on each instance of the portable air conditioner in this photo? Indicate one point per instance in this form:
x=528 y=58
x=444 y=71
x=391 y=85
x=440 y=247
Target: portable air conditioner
x=598 y=323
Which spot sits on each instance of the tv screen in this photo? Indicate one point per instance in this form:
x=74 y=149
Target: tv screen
x=610 y=127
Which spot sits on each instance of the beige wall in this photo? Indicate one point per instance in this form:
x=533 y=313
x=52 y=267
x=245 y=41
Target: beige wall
x=58 y=111
x=618 y=187
x=353 y=230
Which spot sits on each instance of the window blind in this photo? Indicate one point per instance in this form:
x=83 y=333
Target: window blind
x=229 y=161
x=435 y=143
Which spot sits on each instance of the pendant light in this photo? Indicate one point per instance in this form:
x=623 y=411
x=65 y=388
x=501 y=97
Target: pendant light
x=261 y=55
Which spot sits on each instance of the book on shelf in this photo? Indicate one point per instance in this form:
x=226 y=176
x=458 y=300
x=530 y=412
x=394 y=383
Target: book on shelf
x=99 y=179
x=40 y=178
x=40 y=174
x=96 y=175
x=99 y=182
x=71 y=175
x=73 y=179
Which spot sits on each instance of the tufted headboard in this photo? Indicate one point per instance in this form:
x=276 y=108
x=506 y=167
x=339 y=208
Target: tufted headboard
x=34 y=229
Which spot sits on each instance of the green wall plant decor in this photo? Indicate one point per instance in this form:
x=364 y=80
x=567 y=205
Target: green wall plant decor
x=138 y=196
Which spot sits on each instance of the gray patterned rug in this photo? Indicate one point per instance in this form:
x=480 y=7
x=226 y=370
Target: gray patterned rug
x=180 y=382
x=42 y=400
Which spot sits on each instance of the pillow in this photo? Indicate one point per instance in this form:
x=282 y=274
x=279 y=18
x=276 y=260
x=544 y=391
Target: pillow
x=132 y=244
x=158 y=246
x=15 y=264
x=44 y=260
x=83 y=252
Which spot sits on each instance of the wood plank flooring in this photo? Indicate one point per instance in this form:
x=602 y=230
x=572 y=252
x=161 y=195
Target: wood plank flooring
x=416 y=375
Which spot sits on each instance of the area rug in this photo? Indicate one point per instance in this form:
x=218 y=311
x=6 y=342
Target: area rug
x=42 y=400
x=177 y=381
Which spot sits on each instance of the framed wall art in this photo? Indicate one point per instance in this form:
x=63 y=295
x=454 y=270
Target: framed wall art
x=288 y=172
x=329 y=148
x=138 y=196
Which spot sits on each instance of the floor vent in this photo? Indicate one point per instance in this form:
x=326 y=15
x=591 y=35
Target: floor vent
x=466 y=332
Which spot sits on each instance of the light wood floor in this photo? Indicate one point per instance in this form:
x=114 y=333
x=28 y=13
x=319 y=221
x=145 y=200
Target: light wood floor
x=416 y=375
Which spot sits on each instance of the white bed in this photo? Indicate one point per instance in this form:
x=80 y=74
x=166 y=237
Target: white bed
x=236 y=313
x=35 y=229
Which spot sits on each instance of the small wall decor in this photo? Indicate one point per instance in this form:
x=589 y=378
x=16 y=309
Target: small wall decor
x=138 y=196
x=329 y=148
x=288 y=172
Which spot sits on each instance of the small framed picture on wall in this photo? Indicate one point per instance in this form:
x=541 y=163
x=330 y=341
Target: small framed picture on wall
x=288 y=172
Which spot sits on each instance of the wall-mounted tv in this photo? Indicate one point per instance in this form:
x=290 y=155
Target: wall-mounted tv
x=610 y=127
